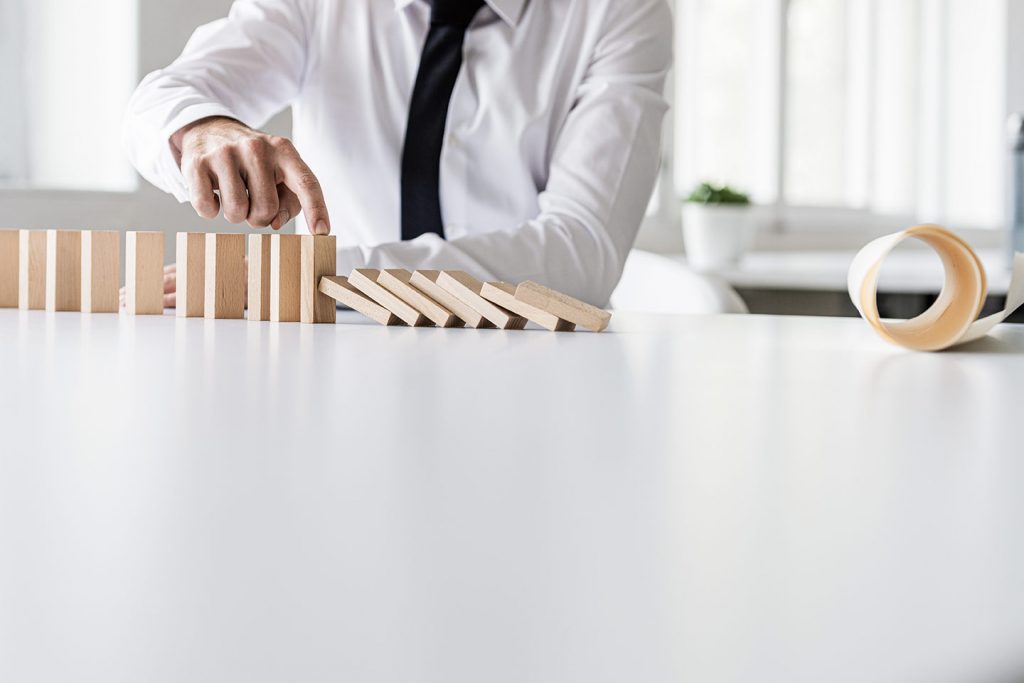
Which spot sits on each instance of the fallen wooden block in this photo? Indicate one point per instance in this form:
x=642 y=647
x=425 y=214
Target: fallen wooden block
x=224 y=281
x=101 y=271
x=426 y=282
x=286 y=278
x=365 y=280
x=467 y=288
x=504 y=294
x=9 y=258
x=63 y=270
x=259 y=277
x=144 y=273
x=339 y=289
x=563 y=306
x=32 y=269
x=319 y=258
x=397 y=281
x=190 y=259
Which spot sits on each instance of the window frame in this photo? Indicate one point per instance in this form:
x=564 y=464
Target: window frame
x=790 y=226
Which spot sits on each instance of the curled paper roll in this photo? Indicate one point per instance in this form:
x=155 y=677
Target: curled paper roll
x=953 y=318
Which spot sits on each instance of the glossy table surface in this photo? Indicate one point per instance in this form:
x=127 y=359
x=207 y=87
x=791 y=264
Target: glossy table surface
x=713 y=499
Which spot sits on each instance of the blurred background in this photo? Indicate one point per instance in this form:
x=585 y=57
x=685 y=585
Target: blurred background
x=839 y=120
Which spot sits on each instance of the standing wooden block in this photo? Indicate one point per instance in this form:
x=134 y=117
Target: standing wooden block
x=319 y=258
x=63 y=270
x=563 y=306
x=365 y=280
x=504 y=294
x=426 y=282
x=225 y=276
x=190 y=264
x=397 y=281
x=286 y=278
x=144 y=273
x=9 y=258
x=31 y=270
x=259 y=277
x=467 y=288
x=339 y=289
x=101 y=271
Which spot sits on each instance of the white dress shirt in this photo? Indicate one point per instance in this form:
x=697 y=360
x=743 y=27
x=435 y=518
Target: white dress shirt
x=552 y=143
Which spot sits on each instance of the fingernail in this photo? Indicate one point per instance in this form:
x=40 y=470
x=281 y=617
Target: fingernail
x=321 y=228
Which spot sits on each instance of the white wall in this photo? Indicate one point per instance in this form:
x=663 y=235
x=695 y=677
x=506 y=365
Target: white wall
x=164 y=27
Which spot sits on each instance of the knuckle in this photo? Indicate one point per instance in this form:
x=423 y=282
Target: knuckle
x=279 y=143
x=308 y=181
x=255 y=147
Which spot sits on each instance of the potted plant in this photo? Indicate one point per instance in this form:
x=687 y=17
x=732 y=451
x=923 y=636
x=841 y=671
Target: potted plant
x=718 y=226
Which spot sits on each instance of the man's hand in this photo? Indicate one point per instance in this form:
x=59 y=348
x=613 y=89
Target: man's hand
x=261 y=178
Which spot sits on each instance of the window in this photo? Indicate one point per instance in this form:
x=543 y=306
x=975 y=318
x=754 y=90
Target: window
x=863 y=110
x=67 y=69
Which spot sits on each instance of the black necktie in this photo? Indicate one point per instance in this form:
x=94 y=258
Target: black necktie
x=428 y=111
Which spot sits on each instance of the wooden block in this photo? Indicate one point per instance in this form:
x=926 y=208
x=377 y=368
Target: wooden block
x=9 y=258
x=365 y=280
x=397 y=281
x=426 y=282
x=286 y=278
x=32 y=269
x=101 y=271
x=190 y=259
x=259 y=277
x=504 y=294
x=468 y=288
x=563 y=306
x=339 y=289
x=144 y=273
x=319 y=258
x=225 y=276
x=63 y=270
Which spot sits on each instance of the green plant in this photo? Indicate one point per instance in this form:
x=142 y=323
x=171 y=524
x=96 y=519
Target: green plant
x=708 y=193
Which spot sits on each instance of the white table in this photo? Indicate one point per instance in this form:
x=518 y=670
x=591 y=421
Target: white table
x=713 y=499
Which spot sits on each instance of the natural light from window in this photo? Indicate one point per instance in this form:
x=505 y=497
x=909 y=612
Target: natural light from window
x=885 y=107
x=68 y=68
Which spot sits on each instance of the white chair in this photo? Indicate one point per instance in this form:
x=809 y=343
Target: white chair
x=657 y=284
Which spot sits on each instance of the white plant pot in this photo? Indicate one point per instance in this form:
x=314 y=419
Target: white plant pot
x=717 y=236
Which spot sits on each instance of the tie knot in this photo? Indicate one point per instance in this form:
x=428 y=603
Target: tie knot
x=454 y=12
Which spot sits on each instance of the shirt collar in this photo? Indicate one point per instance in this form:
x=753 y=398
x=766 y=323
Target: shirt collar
x=509 y=10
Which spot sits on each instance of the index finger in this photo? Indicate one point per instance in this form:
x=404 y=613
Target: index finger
x=303 y=182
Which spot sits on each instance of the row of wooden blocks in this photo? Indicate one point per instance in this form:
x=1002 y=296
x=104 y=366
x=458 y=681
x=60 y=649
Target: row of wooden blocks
x=454 y=298
x=71 y=270
x=290 y=278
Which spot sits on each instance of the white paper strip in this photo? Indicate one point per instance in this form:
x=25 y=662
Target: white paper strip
x=952 y=319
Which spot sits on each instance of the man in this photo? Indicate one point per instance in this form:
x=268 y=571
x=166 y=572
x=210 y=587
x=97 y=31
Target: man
x=514 y=139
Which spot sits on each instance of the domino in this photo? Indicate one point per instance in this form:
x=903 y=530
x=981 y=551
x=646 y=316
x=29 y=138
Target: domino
x=190 y=259
x=504 y=295
x=9 y=262
x=63 y=270
x=339 y=289
x=144 y=273
x=259 y=277
x=225 y=276
x=319 y=258
x=101 y=271
x=563 y=306
x=365 y=280
x=31 y=270
x=467 y=288
x=285 y=278
x=426 y=282
x=397 y=282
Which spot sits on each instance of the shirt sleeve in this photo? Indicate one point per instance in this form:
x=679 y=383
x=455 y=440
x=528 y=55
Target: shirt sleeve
x=247 y=66
x=603 y=169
